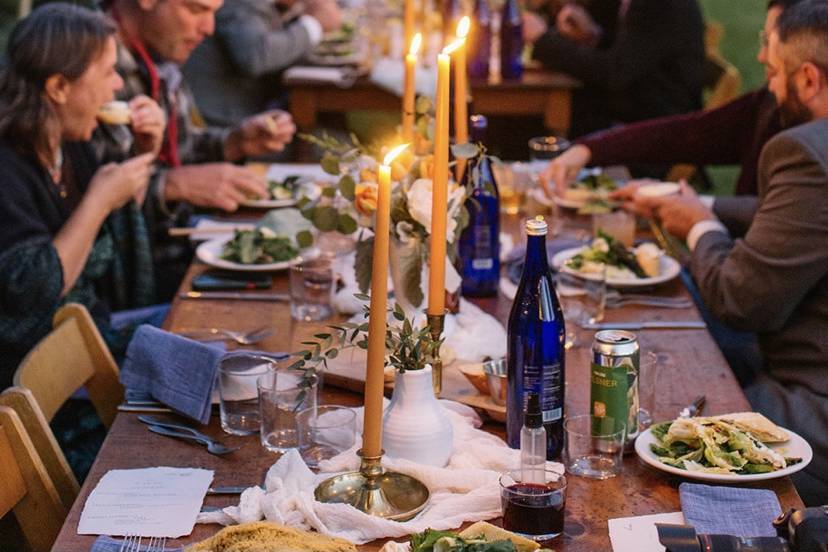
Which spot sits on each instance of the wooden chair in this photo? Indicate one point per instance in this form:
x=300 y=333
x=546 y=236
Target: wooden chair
x=72 y=356
x=22 y=401
x=25 y=487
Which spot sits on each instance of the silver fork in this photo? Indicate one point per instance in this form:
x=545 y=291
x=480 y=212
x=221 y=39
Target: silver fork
x=242 y=338
x=132 y=543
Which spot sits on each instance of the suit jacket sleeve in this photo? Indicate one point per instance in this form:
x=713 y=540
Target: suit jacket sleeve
x=255 y=47
x=755 y=283
x=736 y=213
x=637 y=51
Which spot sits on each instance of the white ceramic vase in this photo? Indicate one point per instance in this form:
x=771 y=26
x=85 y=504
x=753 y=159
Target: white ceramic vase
x=414 y=426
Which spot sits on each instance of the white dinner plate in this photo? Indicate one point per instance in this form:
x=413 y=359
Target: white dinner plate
x=669 y=269
x=796 y=447
x=567 y=203
x=308 y=189
x=209 y=253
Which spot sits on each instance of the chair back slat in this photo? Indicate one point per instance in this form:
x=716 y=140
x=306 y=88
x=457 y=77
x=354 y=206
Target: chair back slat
x=39 y=512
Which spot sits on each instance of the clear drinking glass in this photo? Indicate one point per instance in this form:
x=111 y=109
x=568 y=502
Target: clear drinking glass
x=594 y=446
x=282 y=394
x=311 y=290
x=533 y=510
x=239 y=407
x=509 y=188
x=324 y=432
x=617 y=224
x=545 y=148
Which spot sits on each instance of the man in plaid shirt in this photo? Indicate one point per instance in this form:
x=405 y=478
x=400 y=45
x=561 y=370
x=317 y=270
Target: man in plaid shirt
x=155 y=37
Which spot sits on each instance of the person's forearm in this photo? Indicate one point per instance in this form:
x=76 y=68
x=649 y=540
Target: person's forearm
x=701 y=138
x=75 y=239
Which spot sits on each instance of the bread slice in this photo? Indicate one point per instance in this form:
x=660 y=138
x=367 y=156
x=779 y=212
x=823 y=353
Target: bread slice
x=266 y=536
x=494 y=533
x=761 y=428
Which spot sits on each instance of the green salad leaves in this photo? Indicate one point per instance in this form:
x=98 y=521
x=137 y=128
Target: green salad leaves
x=607 y=250
x=260 y=246
x=712 y=445
x=284 y=189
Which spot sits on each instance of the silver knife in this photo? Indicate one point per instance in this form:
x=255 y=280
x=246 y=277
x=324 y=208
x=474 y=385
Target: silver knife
x=226 y=490
x=654 y=325
x=236 y=296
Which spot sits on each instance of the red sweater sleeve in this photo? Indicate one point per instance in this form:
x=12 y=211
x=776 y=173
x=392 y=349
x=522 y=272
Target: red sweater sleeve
x=703 y=137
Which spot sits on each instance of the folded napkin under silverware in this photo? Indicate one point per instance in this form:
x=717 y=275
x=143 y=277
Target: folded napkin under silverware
x=174 y=370
x=729 y=510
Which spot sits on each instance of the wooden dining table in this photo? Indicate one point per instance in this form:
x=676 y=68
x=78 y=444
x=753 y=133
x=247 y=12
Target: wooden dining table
x=691 y=365
x=539 y=92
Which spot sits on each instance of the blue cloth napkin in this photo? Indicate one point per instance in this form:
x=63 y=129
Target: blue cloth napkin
x=729 y=510
x=108 y=544
x=176 y=371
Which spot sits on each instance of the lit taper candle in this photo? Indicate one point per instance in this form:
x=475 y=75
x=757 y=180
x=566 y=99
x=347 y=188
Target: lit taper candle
x=374 y=373
x=461 y=93
x=439 y=199
x=409 y=91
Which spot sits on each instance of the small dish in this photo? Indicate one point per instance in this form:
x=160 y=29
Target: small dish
x=495 y=371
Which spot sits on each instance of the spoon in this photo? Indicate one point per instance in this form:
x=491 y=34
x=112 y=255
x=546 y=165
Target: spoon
x=213 y=447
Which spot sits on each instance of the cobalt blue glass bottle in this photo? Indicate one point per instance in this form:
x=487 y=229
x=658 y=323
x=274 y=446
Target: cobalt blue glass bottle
x=480 y=240
x=535 y=354
x=511 y=41
x=480 y=41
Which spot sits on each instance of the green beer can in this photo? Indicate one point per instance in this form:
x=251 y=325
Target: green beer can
x=614 y=380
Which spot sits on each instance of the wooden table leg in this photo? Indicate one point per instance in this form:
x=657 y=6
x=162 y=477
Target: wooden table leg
x=557 y=115
x=303 y=106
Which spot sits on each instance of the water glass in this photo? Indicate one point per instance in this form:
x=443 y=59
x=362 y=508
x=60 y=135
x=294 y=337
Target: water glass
x=533 y=509
x=324 y=432
x=510 y=189
x=594 y=446
x=617 y=224
x=239 y=406
x=545 y=148
x=282 y=394
x=311 y=290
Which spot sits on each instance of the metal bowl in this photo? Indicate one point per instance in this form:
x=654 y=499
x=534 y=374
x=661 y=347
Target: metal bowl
x=495 y=371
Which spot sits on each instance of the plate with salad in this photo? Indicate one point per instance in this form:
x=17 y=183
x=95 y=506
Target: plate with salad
x=591 y=189
x=285 y=192
x=259 y=250
x=742 y=446
x=644 y=265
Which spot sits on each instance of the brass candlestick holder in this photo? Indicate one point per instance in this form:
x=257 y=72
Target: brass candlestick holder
x=385 y=494
x=436 y=323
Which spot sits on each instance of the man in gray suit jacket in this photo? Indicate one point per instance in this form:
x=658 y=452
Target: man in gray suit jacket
x=236 y=72
x=774 y=280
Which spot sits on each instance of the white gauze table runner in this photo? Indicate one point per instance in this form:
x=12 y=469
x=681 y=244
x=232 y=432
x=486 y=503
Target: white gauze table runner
x=465 y=490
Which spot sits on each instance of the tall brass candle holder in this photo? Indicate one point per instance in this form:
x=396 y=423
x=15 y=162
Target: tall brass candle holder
x=385 y=494
x=436 y=322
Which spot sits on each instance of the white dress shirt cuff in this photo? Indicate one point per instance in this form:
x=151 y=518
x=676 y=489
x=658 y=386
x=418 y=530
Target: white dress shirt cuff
x=313 y=28
x=701 y=228
x=707 y=200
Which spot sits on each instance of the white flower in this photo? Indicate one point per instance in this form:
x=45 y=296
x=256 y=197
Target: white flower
x=419 y=205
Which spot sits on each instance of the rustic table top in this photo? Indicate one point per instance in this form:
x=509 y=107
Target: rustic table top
x=695 y=367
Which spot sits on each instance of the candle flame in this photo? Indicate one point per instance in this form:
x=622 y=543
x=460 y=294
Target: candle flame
x=448 y=50
x=389 y=157
x=415 y=44
x=463 y=27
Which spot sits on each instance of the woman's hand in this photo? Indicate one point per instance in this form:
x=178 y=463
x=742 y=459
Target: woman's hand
x=148 y=124
x=564 y=169
x=116 y=183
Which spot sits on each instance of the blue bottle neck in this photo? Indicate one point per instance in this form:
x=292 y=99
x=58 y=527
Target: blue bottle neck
x=536 y=262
